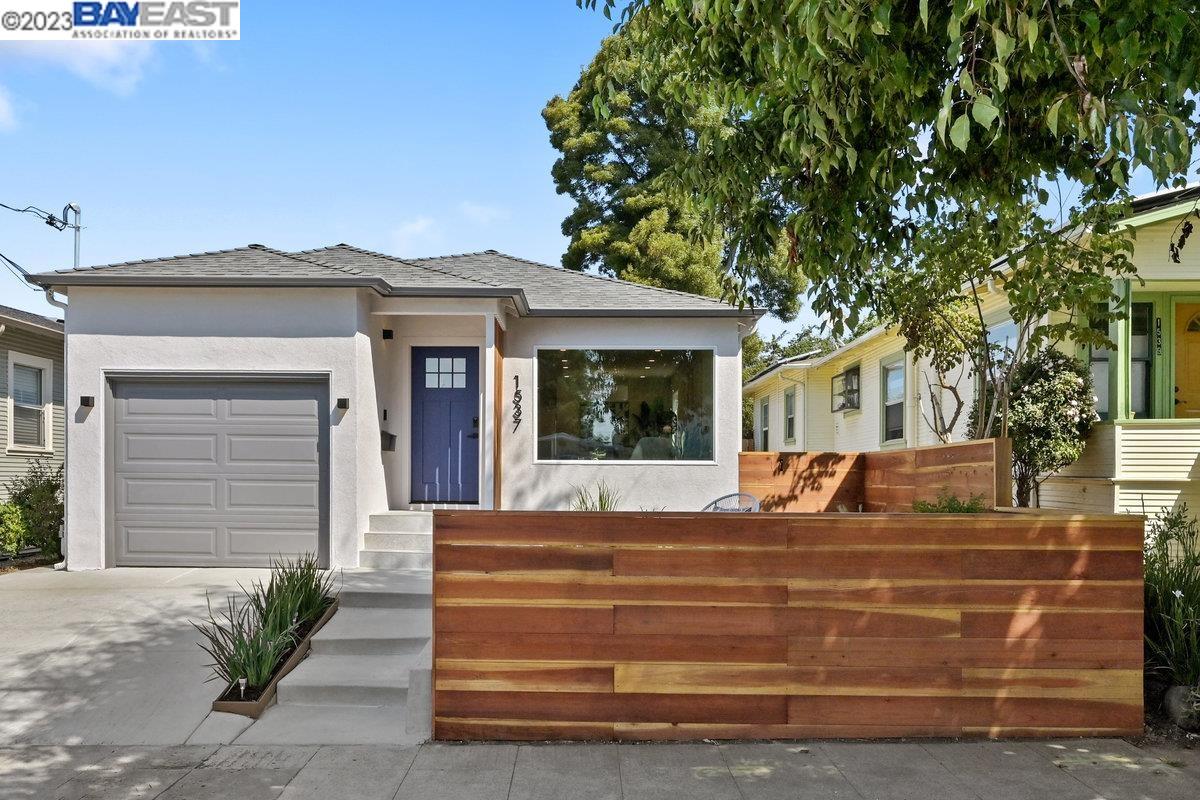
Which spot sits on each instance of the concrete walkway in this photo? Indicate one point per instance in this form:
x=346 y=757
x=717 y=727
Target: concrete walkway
x=1065 y=770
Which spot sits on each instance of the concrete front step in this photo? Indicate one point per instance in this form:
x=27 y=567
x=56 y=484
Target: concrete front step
x=416 y=542
x=396 y=559
x=347 y=680
x=374 y=631
x=402 y=522
x=386 y=588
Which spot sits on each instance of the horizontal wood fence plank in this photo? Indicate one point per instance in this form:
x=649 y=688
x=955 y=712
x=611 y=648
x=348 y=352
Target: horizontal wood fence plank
x=965 y=653
x=618 y=648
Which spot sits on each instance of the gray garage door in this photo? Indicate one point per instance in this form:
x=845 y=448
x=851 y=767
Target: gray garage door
x=218 y=473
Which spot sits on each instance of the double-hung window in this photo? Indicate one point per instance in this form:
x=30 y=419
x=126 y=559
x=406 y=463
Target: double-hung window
x=789 y=415
x=892 y=378
x=29 y=386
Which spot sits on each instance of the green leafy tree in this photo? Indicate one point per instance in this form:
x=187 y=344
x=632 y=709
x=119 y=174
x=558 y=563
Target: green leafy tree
x=618 y=145
x=1057 y=279
x=1049 y=419
x=851 y=124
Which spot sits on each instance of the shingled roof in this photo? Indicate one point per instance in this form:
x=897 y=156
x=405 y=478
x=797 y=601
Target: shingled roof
x=10 y=314
x=536 y=289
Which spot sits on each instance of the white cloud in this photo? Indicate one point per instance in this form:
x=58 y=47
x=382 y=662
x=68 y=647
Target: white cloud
x=8 y=117
x=112 y=65
x=410 y=235
x=482 y=214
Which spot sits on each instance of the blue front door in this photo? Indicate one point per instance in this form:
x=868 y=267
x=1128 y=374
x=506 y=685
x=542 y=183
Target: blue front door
x=445 y=425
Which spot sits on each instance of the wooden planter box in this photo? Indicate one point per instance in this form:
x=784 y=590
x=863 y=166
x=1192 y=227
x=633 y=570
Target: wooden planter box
x=255 y=708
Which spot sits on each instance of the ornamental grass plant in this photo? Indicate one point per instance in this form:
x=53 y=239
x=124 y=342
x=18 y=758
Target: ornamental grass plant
x=1172 y=586
x=251 y=637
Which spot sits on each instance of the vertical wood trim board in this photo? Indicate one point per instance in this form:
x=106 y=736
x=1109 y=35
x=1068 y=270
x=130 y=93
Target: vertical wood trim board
x=635 y=626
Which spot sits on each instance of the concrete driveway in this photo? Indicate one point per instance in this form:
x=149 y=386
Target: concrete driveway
x=106 y=657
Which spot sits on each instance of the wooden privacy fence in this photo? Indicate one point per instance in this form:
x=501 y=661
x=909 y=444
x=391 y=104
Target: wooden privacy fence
x=888 y=480
x=559 y=625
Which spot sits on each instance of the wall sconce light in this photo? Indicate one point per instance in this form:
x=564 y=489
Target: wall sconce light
x=87 y=401
x=388 y=333
x=343 y=403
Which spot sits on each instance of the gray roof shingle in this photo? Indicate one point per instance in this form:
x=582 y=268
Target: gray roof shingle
x=537 y=289
x=10 y=314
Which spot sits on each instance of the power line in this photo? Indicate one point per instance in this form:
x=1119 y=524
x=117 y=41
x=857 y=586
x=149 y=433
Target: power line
x=17 y=270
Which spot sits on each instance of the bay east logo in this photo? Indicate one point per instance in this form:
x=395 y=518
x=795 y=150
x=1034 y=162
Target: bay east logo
x=178 y=13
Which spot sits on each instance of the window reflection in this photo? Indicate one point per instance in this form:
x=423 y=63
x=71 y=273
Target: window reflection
x=625 y=405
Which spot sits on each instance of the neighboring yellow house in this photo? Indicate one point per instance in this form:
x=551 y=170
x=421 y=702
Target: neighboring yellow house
x=1143 y=456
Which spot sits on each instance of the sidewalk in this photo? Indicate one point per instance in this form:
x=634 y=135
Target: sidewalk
x=939 y=770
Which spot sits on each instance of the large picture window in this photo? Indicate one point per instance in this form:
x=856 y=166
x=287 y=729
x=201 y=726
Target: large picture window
x=625 y=405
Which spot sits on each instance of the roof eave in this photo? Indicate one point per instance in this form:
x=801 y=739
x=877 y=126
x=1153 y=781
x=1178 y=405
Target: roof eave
x=688 y=313
x=50 y=327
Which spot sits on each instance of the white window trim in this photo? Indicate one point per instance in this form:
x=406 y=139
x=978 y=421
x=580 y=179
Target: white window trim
x=616 y=462
x=885 y=364
x=791 y=390
x=47 y=368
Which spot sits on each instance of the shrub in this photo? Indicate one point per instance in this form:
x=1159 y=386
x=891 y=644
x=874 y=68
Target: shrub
x=1051 y=412
x=14 y=529
x=605 y=499
x=39 y=494
x=948 y=503
x=1172 y=564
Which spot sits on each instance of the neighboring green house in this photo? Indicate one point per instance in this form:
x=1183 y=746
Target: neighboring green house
x=31 y=367
x=1144 y=455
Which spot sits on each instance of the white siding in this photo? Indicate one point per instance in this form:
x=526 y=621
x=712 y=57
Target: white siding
x=774 y=390
x=1078 y=494
x=1167 y=451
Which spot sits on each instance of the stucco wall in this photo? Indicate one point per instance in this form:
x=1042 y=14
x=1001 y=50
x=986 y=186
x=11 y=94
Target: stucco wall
x=221 y=331
x=528 y=485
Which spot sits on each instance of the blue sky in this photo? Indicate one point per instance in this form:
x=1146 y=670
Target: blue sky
x=410 y=128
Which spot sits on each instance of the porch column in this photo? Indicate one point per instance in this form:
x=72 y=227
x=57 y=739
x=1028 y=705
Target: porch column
x=1118 y=360
x=487 y=418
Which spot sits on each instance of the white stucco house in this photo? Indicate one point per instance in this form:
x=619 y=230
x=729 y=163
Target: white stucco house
x=225 y=407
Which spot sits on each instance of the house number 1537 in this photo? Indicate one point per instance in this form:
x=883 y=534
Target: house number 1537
x=516 y=403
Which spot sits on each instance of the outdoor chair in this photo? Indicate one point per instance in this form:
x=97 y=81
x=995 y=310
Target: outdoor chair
x=736 y=502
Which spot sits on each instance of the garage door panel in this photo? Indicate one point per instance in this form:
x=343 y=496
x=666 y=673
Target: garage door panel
x=160 y=403
x=277 y=496
x=159 y=494
x=272 y=411
x=268 y=540
x=213 y=473
x=179 y=540
x=143 y=448
x=245 y=449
